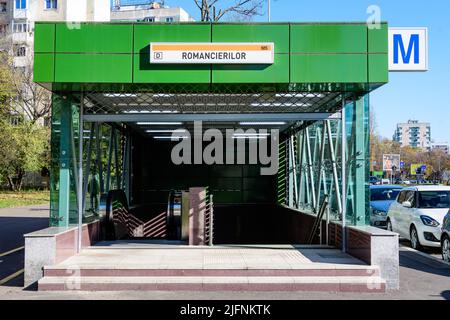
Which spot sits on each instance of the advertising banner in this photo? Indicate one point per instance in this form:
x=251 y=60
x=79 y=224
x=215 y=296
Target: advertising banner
x=391 y=161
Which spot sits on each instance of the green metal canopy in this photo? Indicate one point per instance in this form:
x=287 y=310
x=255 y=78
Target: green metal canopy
x=320 y=57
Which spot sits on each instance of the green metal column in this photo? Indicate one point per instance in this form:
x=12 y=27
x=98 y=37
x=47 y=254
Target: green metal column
x=64 y=158
x=361 y=154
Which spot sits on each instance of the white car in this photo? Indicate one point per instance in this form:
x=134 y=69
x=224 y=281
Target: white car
x=418 y=214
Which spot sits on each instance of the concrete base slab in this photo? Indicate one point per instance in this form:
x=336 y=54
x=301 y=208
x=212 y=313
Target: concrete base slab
x=259 y=268
x=362 y=284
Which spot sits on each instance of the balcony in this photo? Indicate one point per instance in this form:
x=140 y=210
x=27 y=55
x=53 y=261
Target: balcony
x=20 y=14
x=22 y=37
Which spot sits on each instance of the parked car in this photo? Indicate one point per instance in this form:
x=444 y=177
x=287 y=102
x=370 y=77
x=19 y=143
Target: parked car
x=401 y=181
x=381 y=197
x=374 y=180
x=418 y=214
x=445 y=238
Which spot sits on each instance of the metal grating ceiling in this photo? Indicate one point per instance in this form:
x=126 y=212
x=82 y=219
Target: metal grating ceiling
x=210 y=102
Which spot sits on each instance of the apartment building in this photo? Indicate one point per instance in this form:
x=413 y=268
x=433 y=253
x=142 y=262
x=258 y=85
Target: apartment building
x=24 y=13
x=413 y=133
x=440 y=146
x=148 y=11
x=17 y=21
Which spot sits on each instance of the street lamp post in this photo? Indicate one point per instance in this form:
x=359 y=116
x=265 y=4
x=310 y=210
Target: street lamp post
x=393 y=174
x=268 y=9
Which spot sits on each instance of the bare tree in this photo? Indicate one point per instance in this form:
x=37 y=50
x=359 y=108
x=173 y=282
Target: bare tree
x=214 y=10
x=30 y=99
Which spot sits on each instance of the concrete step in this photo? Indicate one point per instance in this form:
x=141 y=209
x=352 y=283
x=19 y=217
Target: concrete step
x=153 y=271
x=255 y=283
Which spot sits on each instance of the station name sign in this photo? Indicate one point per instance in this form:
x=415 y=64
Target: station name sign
x=211 y=53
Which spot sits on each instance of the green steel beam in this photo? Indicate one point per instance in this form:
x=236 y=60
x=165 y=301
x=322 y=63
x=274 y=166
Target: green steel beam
x=359 y=163
x=65 y=157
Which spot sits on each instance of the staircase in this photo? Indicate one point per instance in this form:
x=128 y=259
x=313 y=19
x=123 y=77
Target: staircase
x=213 y=269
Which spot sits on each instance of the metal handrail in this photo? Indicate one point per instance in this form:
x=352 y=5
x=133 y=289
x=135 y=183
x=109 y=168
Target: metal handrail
x=169 y=219
x=211 y=220
x=208 y=227
x=318 y=221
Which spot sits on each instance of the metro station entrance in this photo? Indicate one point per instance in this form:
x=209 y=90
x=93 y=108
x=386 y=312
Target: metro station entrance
x=271 y=155
x=131 y=183
x=114 y=111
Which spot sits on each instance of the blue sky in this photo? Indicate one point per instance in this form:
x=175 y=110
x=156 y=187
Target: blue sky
x=421 y=96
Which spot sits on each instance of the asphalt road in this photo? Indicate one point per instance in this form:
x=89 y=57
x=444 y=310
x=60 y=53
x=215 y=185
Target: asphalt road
x=423 y=275
x=14 y=223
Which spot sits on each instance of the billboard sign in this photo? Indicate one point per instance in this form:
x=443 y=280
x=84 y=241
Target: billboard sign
x=391 y=162
x=417 y=168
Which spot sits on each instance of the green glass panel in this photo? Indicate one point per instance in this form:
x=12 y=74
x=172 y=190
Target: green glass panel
x=378 y=68
x=328 y=68
x=92 y=38
x=144 y=72
x=44 y=37
x=146 y=33
x=55 y=155
x=275 y=73
x=93 y=68
x=378 y=39
x=329 y=38
x=358 y=161
x=44 y=67
x=64 y=166
x=357 y=155
x=276 y=33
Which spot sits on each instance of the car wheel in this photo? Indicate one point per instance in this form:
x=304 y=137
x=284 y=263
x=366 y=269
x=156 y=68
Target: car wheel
x=414 y=238
x=389 y=225
x=446 y=249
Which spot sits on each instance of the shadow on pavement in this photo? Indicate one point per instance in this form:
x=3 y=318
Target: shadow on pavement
x=12 y=230
x=446 y=294
x=413 y=260
x=16 y=282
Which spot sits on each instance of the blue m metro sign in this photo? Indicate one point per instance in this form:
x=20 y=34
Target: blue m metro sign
x=399 y=47
x=408 y=49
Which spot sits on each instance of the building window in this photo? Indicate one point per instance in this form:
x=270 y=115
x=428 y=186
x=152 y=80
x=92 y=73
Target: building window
x=20 y=27
x=21 y=51
x=15 y=120
x=51 y=4
x=47 y=121
x=21 y=70
x=169 y=19
x=21 y=4
x=149 y=19
x=3 y=7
